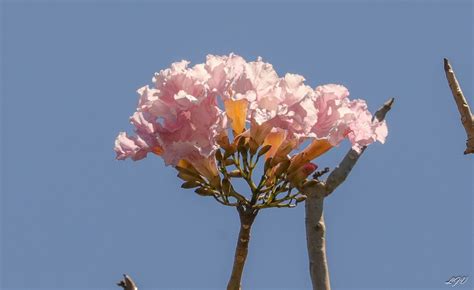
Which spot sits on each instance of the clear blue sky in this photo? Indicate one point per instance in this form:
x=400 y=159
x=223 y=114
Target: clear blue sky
x=72 y=217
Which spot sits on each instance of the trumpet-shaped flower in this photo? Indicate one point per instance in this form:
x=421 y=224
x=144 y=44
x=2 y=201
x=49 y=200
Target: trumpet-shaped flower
x=363 y=130
x=338 y=118
x=179 y=117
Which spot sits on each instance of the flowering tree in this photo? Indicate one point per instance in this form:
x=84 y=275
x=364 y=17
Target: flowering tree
x=264 y=119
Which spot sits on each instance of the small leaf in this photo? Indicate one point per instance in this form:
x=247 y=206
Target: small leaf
x=228 y=162
x=264 y=150
x=190 y=184
x=188 y=177
x=203 y=191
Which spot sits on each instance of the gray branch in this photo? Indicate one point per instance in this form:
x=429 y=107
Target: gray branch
x=467 y=118
x=315 y=227
x=127 y=283
x=340 y=173
x=315 y=239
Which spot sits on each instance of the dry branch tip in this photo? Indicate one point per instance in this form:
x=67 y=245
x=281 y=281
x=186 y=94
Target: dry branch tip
x=127 y=283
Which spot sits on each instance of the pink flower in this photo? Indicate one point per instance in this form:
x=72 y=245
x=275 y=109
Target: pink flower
x=223 y=71
x=179 y=114
x=134 y=147
x=255 y=82
x=179 y=117
x=362 y=130
x=194 y=130
x=176 y=89
x=289 y=108
x=333 y=113
x=125 y=146
x=240 y=84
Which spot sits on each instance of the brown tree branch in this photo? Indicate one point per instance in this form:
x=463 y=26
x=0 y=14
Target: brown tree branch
x=127 y=283
x=247 y=216
x=315 y=227
x=467 y=118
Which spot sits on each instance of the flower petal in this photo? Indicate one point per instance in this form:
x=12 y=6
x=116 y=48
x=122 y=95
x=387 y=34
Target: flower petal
x=237 y=113
x=275 y=139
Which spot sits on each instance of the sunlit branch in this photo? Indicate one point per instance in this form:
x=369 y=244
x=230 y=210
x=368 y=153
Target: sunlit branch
x=467 y=118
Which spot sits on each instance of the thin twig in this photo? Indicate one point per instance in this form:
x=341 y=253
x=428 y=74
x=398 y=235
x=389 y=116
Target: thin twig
x=467 y=118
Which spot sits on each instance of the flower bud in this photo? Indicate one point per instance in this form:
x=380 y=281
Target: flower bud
x=315 y=149
x=298 y=176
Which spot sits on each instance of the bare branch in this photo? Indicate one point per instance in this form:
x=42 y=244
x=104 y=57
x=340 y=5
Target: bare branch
x=340 y=173
x=247 y=217
x=316 y=239
x=127 y=283
x=467 y=118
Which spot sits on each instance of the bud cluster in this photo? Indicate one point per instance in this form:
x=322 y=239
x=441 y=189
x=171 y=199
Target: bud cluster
x=278 y=186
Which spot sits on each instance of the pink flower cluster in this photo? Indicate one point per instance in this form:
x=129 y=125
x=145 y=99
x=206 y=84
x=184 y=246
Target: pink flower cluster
x=179 y=117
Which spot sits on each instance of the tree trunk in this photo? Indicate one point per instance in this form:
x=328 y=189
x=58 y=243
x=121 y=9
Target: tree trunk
x=316 y=242
x=247 y=216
